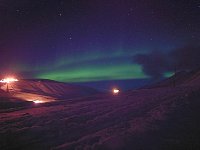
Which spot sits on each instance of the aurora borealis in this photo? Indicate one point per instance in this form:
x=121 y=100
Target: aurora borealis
x=92 y=40
x=95 y=73
x=94 y=67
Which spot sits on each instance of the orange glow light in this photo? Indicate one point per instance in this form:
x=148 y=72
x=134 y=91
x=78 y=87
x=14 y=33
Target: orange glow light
x=38 y=101
x=115 y=91
x=8 y=80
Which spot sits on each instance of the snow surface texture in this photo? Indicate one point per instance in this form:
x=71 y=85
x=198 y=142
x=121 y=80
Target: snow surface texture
x=147 y=119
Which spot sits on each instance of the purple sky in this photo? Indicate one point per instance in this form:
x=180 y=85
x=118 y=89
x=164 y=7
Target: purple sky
x=95 y=40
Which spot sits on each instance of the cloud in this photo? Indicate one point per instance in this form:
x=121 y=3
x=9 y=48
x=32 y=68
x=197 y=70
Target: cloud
x=186 y=58
x=157 y=63
x=153 y=64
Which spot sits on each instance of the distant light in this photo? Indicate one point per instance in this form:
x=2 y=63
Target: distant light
x=8 y=80
x=115 y=91
x=38 y=101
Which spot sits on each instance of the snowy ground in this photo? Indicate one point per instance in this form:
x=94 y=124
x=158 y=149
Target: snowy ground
x=150 y=119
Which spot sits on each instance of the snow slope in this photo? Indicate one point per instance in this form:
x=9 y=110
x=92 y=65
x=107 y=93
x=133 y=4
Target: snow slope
x=181 y=78
x=46 y=90
x=164 y=118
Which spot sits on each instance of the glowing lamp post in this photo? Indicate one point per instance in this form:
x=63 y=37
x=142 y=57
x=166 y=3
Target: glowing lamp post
x=115 y=91
x=7 y=81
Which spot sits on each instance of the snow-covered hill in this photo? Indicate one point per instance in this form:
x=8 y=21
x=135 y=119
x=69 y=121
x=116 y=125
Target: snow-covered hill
x=184 y=78
x=46 y=90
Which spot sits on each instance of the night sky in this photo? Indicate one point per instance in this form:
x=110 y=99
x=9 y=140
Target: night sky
x=95 y=40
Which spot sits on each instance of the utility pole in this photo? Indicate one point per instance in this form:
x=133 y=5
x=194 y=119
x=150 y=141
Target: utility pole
x=174 y=77
x=7 y=89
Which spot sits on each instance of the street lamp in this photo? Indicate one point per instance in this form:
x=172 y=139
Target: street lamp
x=115 y=91
x=7 y=81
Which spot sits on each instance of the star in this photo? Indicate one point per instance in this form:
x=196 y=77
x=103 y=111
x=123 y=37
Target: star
x=69 y=37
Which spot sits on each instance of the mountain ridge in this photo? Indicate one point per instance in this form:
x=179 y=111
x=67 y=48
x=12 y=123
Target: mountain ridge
x=46 y=90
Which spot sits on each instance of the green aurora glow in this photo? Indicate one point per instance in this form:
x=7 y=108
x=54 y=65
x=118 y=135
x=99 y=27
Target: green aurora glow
x=96 y=73
x=168 y=74
x=89 y=66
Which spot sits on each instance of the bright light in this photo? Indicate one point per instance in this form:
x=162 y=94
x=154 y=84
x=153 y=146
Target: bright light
x=38 y=101
x=115 y=91
x=8 y=80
